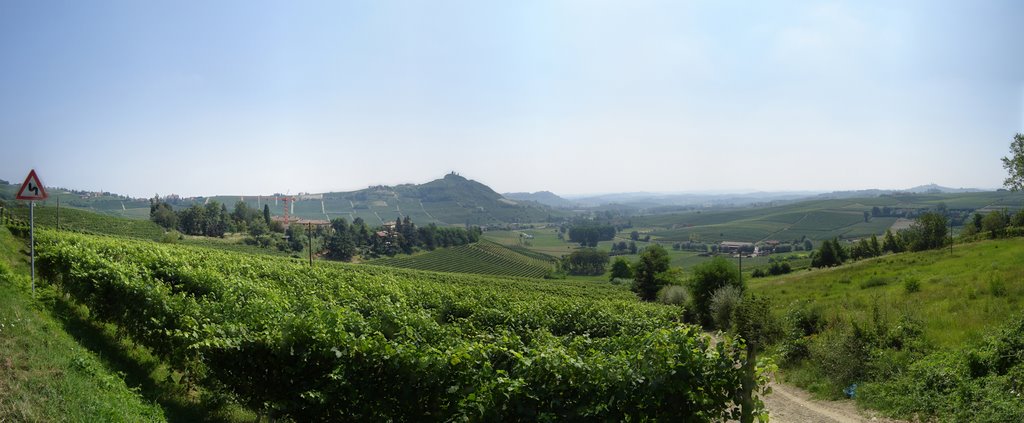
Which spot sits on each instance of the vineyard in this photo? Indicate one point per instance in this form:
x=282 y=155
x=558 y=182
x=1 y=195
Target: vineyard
x=89 y=222
x=349 y=342
x=485 y=258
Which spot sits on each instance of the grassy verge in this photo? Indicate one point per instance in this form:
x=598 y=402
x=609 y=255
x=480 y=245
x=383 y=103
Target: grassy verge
x=44 y=374
x=57 y=365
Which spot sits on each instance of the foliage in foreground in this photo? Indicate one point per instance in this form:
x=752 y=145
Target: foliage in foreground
x=363 y=343
x=44 y=374
x=977 y=384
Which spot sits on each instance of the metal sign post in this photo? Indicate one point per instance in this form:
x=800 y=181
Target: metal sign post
x=32 y=190
x=32 y=240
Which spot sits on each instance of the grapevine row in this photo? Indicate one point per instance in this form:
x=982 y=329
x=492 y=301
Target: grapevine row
x=343 y=342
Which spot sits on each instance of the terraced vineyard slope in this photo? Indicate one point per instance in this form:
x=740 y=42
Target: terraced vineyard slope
x=484 y=258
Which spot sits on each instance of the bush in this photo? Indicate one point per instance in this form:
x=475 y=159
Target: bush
x=171 y=237
x=801 y=322
x=996 y=286
x=708 y=277
x=911 y=285
x=674 y=295
x=723 y=304
x=842 y=355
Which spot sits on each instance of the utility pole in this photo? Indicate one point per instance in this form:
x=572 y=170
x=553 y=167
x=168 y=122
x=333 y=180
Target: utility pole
x=309 y=236
x=741 y=268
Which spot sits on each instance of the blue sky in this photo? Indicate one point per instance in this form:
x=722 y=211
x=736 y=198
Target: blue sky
x=247 y=97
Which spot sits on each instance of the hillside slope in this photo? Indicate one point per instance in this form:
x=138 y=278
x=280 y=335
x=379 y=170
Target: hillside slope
x=931 y=334
x=451 y=200
x=816 y=219
x=484 y=258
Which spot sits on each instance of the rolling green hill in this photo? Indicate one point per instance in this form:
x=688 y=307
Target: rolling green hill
x=486 y=258
x=915 y=331
x=815 y=219
x=451 y=200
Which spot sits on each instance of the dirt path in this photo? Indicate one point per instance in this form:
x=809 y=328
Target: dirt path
x=789 y=404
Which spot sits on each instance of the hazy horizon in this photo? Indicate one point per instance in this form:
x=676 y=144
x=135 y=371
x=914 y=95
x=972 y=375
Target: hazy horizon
x=572 y=97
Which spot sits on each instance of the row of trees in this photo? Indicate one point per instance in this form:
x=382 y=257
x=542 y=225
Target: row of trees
x=994 y=223
x=212 y=219
x=585 y=261
x=930 y=231
x=589 y=234
x=622 y=247
x=348 y=240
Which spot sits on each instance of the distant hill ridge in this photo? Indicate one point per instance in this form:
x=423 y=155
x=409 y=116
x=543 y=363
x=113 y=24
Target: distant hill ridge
x=547 y=198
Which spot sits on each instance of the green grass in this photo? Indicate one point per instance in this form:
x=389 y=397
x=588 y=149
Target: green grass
x=485 y=258
x=961 y=296
x=45 y=374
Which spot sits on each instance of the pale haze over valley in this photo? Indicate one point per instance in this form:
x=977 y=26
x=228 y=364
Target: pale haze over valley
x=577 y=97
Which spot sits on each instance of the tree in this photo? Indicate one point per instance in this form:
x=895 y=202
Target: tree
x=928 y=232
x=994 y=223
x=1017 y=219
x=340 y=245
x=266 y=214
x=891 y=243
x=635 y=236
x=830 y=254
x=621 y=269
x=162 y=214
x=652 y=262
x=754 y=322
x=876 y=249
x=709 y=277
x=589 y=234
x=1015 y=164
x=296 y=237
x=585 y=261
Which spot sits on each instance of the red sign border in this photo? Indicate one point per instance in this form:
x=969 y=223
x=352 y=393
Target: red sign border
x=42 y=191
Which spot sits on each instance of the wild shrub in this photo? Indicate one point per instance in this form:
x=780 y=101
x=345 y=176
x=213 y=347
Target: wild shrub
x=802 y=321
x=996 y=286
x=723 y=305
x=911 y=285
x=842 y=354
x=674 y=295
x=979 y=384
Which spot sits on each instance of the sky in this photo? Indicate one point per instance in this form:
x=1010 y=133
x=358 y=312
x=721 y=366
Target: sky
x=257 y=97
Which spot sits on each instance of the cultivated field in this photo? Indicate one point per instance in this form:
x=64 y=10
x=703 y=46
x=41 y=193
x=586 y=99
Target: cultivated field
x=338 y=341
x=485 y=258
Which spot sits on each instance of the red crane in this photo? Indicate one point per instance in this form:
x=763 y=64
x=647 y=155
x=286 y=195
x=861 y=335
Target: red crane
x=285 y=200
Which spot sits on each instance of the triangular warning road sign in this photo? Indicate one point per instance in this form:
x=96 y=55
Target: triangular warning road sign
x=31 y=189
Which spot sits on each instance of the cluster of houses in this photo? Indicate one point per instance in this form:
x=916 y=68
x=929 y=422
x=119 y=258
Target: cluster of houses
x=748 y=249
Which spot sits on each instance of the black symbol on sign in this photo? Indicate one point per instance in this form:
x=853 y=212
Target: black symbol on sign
x=33 y=188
